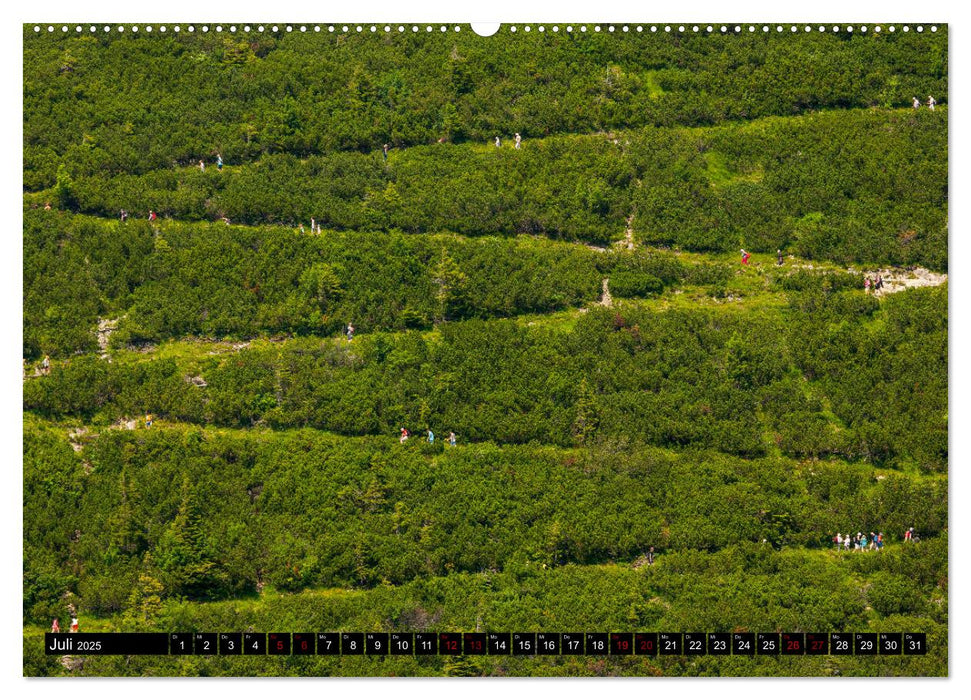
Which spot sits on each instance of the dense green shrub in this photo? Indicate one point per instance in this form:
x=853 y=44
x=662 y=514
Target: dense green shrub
x=803 y=280
x=632 y=284
x=867 y=186
x=213 y=514
x=886 y=380
x=150 y=100
x=861 y=186
x=215 y=280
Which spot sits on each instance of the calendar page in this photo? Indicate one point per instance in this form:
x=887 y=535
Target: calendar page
x=530 y=349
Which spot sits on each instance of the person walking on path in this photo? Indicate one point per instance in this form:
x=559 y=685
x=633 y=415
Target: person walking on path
x=498 y=142
x=650 y=555
x=219 y=162
x=350 y=332
x=384 y=151
x=519 y=140
x=152 y=216
x=916 y=103
x=404 y=436
x=866 y=285
x=431 y=436
x=778 y=256
x=202 y=166
x=123 y=216
x=745 y=257
x=55 y=626
x=451 y=439
x=931 y=102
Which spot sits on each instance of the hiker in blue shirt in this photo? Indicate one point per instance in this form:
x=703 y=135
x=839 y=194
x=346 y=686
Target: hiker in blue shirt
x=431 y=436
x=451 y=439
x=219 y=162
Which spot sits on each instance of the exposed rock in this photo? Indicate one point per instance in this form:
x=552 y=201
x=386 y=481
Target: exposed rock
x=900 y=279
x=72 y=663
x=106 y=326
x=74 y=437
x=606 y=300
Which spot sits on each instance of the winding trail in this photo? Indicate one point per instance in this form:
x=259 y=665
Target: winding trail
x=606 y=300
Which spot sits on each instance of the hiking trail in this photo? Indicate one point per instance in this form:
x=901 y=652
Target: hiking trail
x=606 y=300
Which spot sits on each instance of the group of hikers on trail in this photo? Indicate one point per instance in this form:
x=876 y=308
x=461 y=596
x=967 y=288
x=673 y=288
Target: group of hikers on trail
x=123 y=215
x=56 y=624
x=430 y=436
x=219 y=163
x=746 y=256
x=874 y=283
x=869 y=283
x=517 y=144
x=314 y=226
x=860 y=541
x=930 y=103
